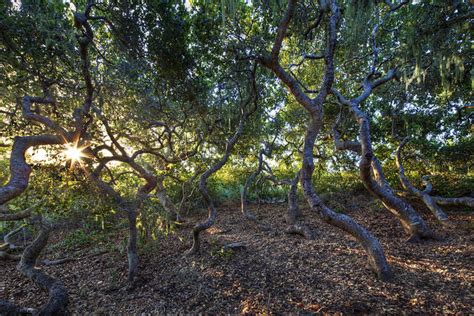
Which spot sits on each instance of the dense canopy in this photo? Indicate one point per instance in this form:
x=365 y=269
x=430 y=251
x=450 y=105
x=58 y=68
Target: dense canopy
x=145 y=112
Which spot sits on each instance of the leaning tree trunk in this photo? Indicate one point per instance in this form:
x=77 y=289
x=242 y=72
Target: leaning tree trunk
x=424 y=195
x=212 y=215
x=371 y=172
x=370 y=169
x=459 y=201
x=58 y=295
x=131 y=208
x=377 y=261
x=412 y=222
x=430 y=201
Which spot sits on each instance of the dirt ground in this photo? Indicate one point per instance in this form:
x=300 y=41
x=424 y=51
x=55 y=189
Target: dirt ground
x=274 y=272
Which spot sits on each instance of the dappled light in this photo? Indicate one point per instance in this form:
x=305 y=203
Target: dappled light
x=226 y=157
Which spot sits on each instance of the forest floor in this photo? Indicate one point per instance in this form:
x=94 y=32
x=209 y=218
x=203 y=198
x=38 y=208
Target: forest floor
x=274 y=273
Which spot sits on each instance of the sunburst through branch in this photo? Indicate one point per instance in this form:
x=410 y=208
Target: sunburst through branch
x=74 y=153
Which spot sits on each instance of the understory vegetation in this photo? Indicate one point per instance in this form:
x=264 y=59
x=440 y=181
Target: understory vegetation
x=236 y=156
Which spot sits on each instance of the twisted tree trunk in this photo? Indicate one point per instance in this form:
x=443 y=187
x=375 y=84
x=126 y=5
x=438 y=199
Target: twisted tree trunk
x=294 y=216
x=424 y=195
x=377 y=260
x=412 y=222
x=432 y=202
x=58 y=295
x=212 y=215
x=19 y=169
x=131 y=208
x=371 y=172
x=243 y=195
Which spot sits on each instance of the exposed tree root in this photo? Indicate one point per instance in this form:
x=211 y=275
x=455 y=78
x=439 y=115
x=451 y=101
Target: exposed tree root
x=300 y=229
x=16 y=216
x=234 y=246
x=48 y=262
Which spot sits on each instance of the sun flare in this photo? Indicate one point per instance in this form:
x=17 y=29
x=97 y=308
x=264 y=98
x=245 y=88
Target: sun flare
x=73 y=153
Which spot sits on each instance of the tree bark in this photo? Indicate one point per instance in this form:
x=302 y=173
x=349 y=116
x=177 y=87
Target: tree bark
x=377 y=260
x=370 y=169
x=424 y=195
x=19 y=169
x=459 y=201
x=132 y=255
x=294 y=216
x=248 y=182
x=58 y=294
x=212 y=215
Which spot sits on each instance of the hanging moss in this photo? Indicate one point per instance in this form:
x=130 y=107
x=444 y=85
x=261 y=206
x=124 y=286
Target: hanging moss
x=357 y=14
